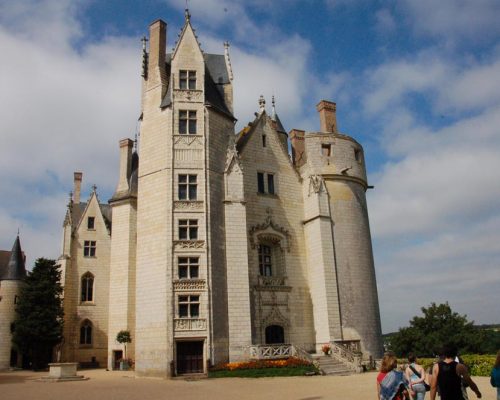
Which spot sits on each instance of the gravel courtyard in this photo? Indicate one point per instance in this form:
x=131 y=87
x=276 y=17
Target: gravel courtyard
x=116 y=385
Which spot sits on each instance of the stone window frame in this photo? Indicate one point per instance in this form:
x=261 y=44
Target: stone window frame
x=91 y=223
x=85 y=289
x=266 y=183
x=187 y=122
x=188 y=229
x=188 y=306
x=89 y=248
x=265 y=254
x=86 y=333
x=187 y=79
x=191 y=264
x=188 y=182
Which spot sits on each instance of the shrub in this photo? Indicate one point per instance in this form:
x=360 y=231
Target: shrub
x=479 y=365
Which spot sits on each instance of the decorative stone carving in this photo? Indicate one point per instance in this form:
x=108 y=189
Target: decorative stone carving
x=189 y=244
x=188 y=95
x=189 y=284
x=188 y=155
x=275 y=317
x=190 y=324
x=316 y=184
x=269 y=231
x=188 y=140
x=188 y=205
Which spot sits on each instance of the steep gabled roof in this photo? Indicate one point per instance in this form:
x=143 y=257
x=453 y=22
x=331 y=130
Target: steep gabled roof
x=244 y=135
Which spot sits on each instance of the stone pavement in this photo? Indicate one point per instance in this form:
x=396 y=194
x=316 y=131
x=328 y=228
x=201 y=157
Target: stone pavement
x=117 y=385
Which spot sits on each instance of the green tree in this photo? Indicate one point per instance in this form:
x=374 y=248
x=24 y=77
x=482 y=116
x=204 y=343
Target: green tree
x=39 y=324
x=439 y=325
x=124 y=337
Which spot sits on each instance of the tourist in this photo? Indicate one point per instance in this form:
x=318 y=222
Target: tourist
x=448 y=375
x=495 y=375
x=415 y=375
x=391 y=383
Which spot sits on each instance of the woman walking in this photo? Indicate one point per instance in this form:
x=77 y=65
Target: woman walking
x=391 y=384
x=415 y=375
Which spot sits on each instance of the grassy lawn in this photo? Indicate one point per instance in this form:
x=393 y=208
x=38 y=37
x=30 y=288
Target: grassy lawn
x=263 y=372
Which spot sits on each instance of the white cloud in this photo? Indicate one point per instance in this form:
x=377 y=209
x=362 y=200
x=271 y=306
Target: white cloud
x=63 y=110
x=453 y=20
x=384 y=21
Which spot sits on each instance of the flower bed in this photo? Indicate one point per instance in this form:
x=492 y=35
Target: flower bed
x=285 y=367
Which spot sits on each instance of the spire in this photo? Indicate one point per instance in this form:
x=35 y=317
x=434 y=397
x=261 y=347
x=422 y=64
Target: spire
x=262 y=104
x=228 y=60
x=273 y=113
x=277 y=122
x=15 y=269
x=144 y=73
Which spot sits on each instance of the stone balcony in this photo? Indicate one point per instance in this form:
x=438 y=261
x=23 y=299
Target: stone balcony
x=277 y=283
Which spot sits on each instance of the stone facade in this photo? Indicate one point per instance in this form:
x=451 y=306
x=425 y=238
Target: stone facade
x=216 y=241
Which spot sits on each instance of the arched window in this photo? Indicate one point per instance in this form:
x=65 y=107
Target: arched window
x=87 y=293
x=86 y=332
x=275 y=334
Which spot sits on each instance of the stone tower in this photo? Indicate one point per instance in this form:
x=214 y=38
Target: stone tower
x=185 y=131
x=342 y=271
x=12 y=274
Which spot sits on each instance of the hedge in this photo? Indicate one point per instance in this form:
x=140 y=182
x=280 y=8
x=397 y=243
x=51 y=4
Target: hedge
x=479 y=365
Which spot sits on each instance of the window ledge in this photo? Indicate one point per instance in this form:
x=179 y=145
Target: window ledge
x=273 y=196
x=87 y=303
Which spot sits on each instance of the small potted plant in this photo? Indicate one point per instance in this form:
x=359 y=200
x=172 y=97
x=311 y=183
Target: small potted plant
x=326 y=349
x=124 y=337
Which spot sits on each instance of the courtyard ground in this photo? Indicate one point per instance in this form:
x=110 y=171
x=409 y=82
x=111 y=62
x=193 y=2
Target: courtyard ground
x=117 y=385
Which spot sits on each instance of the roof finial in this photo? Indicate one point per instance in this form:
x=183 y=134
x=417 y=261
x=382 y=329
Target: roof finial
x=262 y=104
x=273 y=114
x=17 y=231
x=94 y=188
x=70 y=200
x=186 y=12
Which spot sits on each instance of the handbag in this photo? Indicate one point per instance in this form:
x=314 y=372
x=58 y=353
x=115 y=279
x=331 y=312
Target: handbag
x=426 y=385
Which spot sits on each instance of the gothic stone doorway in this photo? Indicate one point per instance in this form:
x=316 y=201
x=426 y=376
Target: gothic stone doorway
x=275 y=334
x=190 y=357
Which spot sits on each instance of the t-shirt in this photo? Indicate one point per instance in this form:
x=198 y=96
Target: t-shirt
x=449 y=382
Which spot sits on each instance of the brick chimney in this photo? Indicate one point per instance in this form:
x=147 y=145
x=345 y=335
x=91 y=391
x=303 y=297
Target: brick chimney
x=157 y=73
x=327 y=116
x=77 y=186
x=298 y=147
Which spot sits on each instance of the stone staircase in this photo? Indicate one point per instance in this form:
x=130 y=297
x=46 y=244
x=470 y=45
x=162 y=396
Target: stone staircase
x=331 y=366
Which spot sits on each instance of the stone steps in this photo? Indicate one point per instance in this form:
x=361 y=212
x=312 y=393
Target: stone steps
x=331 y=366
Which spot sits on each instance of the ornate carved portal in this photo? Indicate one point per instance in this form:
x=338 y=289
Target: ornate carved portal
x=270 y=243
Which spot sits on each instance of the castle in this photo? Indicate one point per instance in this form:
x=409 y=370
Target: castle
x=215 y=244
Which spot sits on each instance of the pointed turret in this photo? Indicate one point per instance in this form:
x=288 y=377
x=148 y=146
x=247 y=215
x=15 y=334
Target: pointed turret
x=15 y=269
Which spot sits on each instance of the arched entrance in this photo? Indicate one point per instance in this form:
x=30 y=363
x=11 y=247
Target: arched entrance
x=275 y=334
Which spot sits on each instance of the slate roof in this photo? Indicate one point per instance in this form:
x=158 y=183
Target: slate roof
x=77 y=211
x=14 y=268
x=216 y=75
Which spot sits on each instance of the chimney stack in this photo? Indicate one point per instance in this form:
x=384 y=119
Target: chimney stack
x=77 y=186
x=157 y=73
x=327 y=116
x=298 y=147
x=126 y=146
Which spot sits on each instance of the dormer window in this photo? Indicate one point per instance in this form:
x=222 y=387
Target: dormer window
x=326 y=150
x=91 y=223
x=187 y=80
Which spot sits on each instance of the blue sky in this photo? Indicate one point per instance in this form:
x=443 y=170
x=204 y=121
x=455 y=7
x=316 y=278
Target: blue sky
x=416 y=82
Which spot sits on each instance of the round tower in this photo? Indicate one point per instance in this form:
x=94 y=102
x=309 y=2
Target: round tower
x=339 y=160
x=12 y=274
